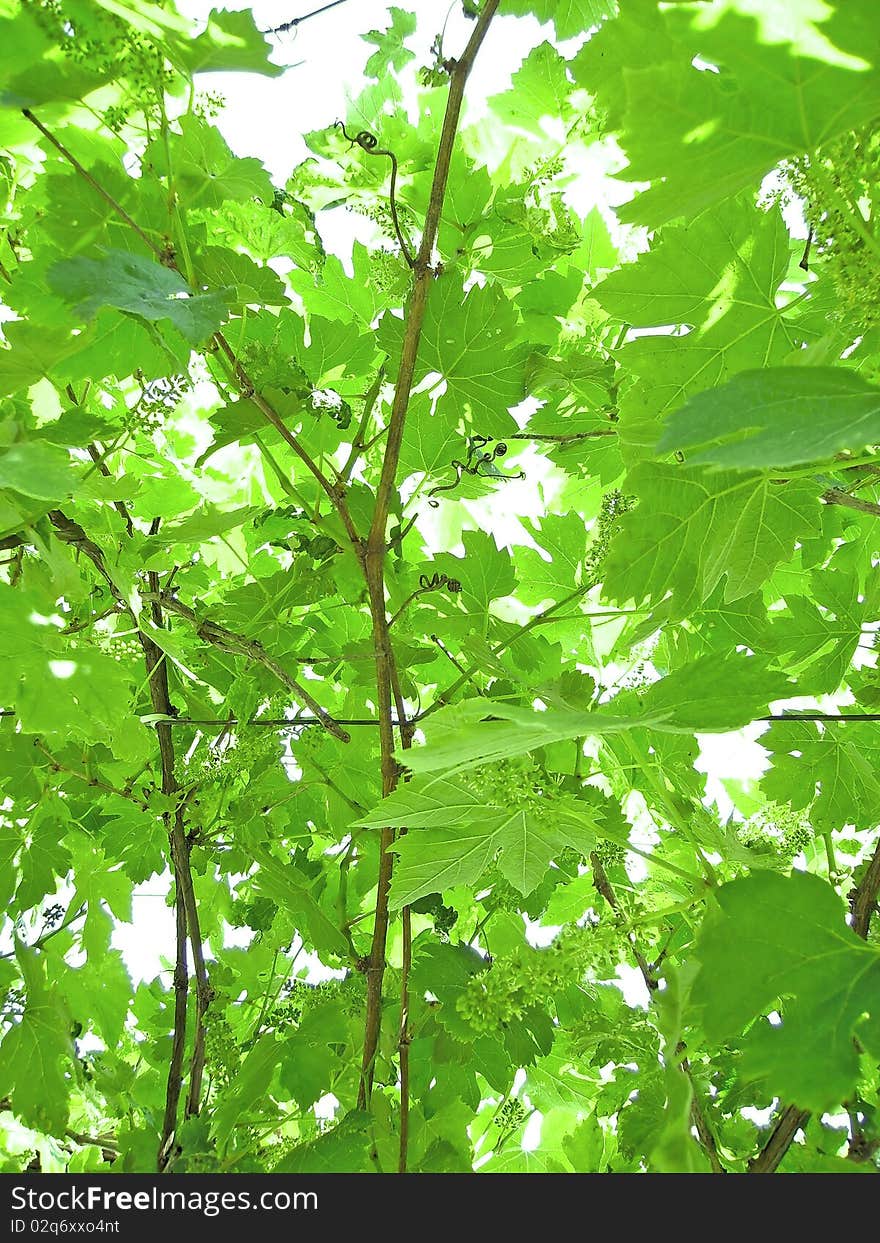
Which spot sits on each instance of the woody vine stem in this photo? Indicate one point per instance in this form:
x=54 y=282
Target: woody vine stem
x=372 y=556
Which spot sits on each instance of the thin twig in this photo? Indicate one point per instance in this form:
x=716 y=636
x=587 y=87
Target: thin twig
x=87 y=778
x=698 y=1117
x=358 y=445
x=53 y=932
x=187 y=915
x=252 y=649
x=96 y=185
x=705 y=1133
x=834 y=496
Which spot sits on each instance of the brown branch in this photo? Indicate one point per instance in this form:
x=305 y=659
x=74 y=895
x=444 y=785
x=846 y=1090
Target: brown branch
x=97 y=457
x=602 y=884
x=174 y=1081
x=701 y=1126
x=160 y=697
x=185 y=901
x=52 y=932
x=186 y=907
x=404 y=1039
x=781 y=1138
x=863 y=899
x=373 y=555
x=70 y=532
x=251 y=649
x=424 y=276
x=87 y=778
x=335 y=493
x=834 y=496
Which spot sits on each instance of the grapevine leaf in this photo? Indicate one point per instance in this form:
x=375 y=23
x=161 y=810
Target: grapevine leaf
x=230 y=42
x=729 y=92
x=141 y=287
x=37 y=1052
x=772 y=937
x=569 y=17
x=777 y=417
x=694 y=528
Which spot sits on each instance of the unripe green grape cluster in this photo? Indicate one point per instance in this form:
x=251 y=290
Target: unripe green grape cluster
x=445 y=919
x=233 y=765
x=796 y=838
x=614 y=506
x=351 y=993
x=504 y=897
x=776 y=829
x=840 y=190
x=493 y=999
x=610 y=854
x=569 y=860
x=222 y=1054
x=380 y=214
x=511 y=1115
x=125 y=649
x=287 y=1013
x=516 y=782
x=388 y=273
x=107 y=44
x=209 y=104
x=544 y=171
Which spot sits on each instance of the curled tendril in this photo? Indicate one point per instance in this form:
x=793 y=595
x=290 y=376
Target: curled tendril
x=364 y=139
x=437 y=581
x=477 y=463
x=370 y=143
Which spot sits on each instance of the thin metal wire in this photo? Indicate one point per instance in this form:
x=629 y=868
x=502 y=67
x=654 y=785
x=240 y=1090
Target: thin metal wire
x=298 y=21
x=285 y=722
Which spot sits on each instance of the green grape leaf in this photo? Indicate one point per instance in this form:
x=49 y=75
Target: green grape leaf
x=703 y=305
x=231 y=42
x=465 y=339
x=832 y=773
x=542 y=90
x=278 y=882
x=37 y=1052
x=729 y=91
x=570 y=17
x=39 y=470
x=695 y=528
x=391 y=51
x=777 y=417
x=774 y=937
x=141 y=287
